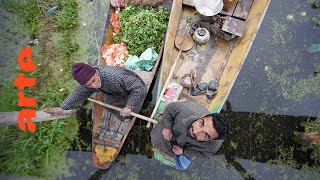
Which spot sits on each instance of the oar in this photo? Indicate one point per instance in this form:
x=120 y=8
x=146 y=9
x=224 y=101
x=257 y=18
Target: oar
x=119 y=109
x=184 y=43
x=11 y=118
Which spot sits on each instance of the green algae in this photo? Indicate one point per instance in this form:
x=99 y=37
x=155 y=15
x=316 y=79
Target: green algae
x=292 y=89
x=279 y=33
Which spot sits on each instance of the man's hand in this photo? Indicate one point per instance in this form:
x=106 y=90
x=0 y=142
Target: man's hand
x=167 y=134
x=125 y=111
x=177 y=150
x=54 y=111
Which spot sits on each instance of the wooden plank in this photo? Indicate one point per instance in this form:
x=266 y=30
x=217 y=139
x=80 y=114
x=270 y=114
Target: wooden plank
x=234 y=26
x=123 y=127
x=230 y=12
x=105 y=143
x=169 y=40
x=242 y=9
x=208 y=60
x=109 y=134
x=114 y=122
x=228 y=4
x=104 y=124
x=239 y=53
x=113 y=135
x=109 y=140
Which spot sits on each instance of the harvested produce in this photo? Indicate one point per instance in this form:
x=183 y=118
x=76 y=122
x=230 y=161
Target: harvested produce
x=142 y=27
x=114 y=54
x=114 y=21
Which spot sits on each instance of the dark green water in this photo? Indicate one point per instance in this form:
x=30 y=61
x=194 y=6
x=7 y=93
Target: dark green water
x=277 y=89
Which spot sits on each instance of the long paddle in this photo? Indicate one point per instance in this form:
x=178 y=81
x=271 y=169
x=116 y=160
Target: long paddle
x=11 y=118
x=119 y=109
x=185 y=44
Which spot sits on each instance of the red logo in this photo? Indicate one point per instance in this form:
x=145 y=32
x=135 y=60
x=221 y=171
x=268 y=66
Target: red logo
x=25 y=63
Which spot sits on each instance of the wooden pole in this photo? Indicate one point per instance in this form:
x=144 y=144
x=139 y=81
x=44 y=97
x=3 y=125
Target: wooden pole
x=11 y=118
x=164 y=87
x=119 y=109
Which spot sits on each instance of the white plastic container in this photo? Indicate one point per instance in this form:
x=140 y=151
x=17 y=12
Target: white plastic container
x=208 y=7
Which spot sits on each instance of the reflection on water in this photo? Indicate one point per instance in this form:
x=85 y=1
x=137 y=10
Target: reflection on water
x=277 y=89
x=255 y=140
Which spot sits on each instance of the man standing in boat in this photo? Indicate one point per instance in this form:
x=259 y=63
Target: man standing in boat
x=122 y=87
x=187 y=128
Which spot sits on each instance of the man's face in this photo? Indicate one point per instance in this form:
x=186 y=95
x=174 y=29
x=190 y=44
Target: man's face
x=93 y=82
x=202 y=129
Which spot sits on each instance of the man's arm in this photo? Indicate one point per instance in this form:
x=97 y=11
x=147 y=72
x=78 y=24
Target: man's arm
x=138 y=92
x=78 y=95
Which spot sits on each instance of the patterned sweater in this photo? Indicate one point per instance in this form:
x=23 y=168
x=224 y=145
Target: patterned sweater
x=121 y=86
x=178 y=116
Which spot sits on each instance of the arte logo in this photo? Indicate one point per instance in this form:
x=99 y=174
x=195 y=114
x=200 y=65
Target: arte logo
x=25 y=116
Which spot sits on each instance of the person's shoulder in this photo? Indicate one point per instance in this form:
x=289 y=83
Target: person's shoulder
x=191 y=103
x=215 y=143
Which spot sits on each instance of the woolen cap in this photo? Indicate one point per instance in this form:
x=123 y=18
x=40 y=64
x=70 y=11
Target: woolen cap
x=82 y=72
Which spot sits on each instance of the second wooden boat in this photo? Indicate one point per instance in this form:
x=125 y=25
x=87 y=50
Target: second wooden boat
x=220 y=59
x=106 y=148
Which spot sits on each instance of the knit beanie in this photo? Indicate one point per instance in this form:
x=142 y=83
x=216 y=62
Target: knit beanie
x=82 y=72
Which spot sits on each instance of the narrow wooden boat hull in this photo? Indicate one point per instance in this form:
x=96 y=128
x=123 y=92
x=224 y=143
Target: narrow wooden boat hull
x=118 y=129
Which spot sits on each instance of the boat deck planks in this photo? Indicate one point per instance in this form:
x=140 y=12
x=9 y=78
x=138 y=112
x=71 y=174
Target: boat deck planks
x=240 y=52
x=207 y=59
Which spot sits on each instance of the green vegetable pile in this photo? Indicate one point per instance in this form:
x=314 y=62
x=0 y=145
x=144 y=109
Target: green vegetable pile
x=142 y=27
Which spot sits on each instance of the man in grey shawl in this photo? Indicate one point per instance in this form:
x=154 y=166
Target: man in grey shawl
x=187 y=128
x=122 y=87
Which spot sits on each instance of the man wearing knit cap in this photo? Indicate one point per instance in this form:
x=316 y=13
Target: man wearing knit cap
x=187 y=128
x=122 y=87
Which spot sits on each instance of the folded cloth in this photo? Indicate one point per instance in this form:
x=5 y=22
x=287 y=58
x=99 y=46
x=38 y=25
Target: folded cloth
x=182 y=161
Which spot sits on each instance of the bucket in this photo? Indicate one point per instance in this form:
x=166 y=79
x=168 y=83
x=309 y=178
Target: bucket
x=208 y=7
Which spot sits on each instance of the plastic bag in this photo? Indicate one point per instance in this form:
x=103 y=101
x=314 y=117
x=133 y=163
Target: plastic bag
x=131 y=62
x=144 y=63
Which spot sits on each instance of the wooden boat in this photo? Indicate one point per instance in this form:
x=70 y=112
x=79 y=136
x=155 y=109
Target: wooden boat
x=218 y=59
x=117 y=130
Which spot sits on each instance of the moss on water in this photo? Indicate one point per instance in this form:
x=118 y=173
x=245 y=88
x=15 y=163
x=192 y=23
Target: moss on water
x=292 y=89
x=279 y=33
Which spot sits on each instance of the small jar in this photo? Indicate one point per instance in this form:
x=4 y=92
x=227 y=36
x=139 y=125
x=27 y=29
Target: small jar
x=201 y=35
